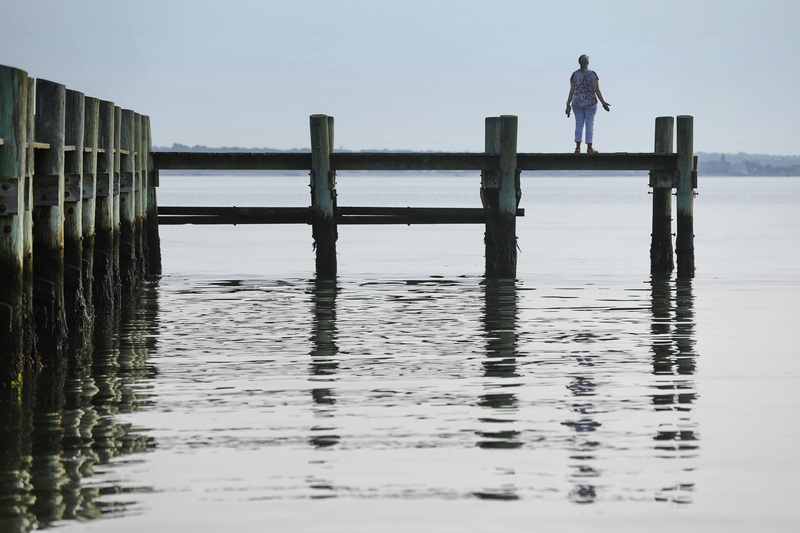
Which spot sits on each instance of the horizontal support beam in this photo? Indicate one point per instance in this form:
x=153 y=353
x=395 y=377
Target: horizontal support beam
x=402 y=211
x=478 y=218
x=234 y=215
x=413 y=215
x=339 y=161
x=231 y=161
x=611 y=161
x=388 y=161
x=414 y=161
x=218 y=211
x=304 y=215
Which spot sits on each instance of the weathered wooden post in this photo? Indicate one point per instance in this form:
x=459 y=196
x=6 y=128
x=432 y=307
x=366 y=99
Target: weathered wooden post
x=127 y=200
x=153 y=242
x=138 y=195
x=506 y=258
x=323 y=196
x=684 y=242
x=661 y=253
x=117 y=270
x=490 y=195
x=48 y=223
x=103 y=290
x=77 y=313
x=13 y=159
x=27 y=223
x=90 y=143
x=15 y=309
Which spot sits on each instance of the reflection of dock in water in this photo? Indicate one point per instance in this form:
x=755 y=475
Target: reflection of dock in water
x=499 y=424
x=674 y=365
x=58 y=440
x=58 y=467
x=323 y=366
x=589 y=360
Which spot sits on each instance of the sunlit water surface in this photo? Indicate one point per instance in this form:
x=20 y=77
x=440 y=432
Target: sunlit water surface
x=243 y=394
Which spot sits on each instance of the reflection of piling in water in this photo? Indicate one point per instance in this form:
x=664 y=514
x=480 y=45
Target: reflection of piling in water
x=324 y=330
x=323 y=365
x=674 y=355
x=500 y=329
x=16 y=497
x=673 y=327
x=48 y=475
x=661 y=325
x=66 y=424
x=584 y=474
x=684 y=326
x=79 y=420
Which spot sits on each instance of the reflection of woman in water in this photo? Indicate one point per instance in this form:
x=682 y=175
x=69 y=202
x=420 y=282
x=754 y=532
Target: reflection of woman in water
x=584 y=90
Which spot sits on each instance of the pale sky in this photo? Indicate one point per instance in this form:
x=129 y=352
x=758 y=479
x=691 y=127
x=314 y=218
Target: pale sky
x=422 y=74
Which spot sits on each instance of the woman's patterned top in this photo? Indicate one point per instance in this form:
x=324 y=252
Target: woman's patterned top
x=583 y=81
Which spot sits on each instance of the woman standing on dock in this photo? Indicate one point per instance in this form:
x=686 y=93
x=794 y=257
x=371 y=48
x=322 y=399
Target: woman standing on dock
x=584 y=90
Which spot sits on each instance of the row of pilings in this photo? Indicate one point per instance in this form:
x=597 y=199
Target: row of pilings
x=78 y=220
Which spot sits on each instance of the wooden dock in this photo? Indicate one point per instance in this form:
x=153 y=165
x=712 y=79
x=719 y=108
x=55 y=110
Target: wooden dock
x=79 y=218
x=500 y=167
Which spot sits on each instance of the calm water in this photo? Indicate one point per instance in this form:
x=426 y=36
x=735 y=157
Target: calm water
x=241 y=394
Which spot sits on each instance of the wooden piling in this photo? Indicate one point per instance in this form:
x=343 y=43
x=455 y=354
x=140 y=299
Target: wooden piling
x=506 y=254
x=90 y=143
x=138 y=196
x=27 y=224
x=684 y=243
x=117 y=270
x=104 y=262
x=153 y=241
x=323 y=196
x=490 y=195
x=661 y=253
x=74 y=298
x=127 y=202
x=500 y=195
x=48 y=225
x=13 y=157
